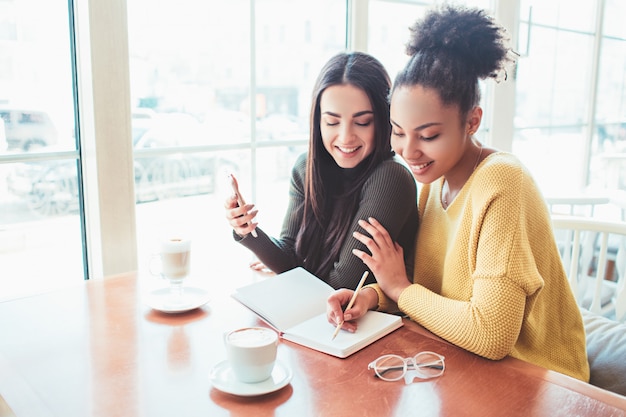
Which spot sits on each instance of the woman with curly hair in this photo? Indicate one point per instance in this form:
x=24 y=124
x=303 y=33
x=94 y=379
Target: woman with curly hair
x=488 y=275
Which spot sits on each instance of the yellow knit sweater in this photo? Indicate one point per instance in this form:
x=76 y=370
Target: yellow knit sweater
x=488 y=275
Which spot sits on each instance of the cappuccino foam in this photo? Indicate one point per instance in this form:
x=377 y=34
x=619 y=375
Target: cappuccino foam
x=252 y=337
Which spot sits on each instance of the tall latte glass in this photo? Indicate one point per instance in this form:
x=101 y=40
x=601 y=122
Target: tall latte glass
x=172 y=263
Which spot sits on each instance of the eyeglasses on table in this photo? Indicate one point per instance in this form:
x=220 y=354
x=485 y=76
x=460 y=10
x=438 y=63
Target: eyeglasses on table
x=424 y=365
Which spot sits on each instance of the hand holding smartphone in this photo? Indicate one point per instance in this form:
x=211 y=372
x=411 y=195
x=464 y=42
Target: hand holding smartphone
x=235 y=185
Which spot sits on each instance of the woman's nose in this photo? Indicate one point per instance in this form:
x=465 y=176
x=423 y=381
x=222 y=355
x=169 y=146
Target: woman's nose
x=346 y=133
x=405 y=149
x=412 y=148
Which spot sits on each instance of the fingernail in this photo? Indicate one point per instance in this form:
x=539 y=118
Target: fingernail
x=347 y=317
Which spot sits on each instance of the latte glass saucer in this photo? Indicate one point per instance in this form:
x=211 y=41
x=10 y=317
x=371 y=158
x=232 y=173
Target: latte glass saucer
x=223 y=378
x=191 y=298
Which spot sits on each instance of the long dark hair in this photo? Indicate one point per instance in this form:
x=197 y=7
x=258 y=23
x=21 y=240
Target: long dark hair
x=451 y=48
x=332 y=195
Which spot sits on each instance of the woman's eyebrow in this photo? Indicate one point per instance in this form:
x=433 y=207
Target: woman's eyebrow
x=357 y=114
x=418 y=128
x=361 y=113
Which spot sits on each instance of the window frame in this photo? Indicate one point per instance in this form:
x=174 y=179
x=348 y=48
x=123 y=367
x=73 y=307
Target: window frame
x=107 y=165
x=104 y=112
x=103 y=61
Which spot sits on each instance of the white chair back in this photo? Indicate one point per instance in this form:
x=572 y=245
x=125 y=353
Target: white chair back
x=587 y=247
x=581 y=204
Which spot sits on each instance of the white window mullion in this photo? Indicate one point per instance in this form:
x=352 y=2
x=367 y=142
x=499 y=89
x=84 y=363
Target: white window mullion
x=252 y=99
x=357 y=26
x=104 y=106
x=593 y=93
x=503 y=95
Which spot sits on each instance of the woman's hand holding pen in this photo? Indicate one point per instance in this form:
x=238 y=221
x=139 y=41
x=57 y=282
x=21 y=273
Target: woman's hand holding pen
x=386 y=260
x=367 y=299
x=240 y=217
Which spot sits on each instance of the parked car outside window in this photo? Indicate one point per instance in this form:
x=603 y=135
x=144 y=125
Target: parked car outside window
x=51 y=187
x=26 y=129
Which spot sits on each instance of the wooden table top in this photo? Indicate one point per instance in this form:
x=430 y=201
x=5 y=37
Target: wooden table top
x=96 y=350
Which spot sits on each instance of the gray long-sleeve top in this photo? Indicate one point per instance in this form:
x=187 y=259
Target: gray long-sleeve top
x=389 y=196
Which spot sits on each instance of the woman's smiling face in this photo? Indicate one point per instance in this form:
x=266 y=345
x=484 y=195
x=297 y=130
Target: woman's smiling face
x=347 y=124
x=426 y=134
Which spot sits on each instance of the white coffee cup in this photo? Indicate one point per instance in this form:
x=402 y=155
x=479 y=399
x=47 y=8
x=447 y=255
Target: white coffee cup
x=251 y=352
x=174 y=259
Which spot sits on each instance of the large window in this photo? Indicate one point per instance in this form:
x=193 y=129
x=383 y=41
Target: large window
x=571 y=95
x=214 y=88
x=41 y=235
x=553 y=91
x=608 y=147
x=219 y=88
x=172 y=98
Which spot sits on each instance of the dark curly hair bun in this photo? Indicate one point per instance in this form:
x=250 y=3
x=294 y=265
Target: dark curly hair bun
x=467 y=33
x=451 y=48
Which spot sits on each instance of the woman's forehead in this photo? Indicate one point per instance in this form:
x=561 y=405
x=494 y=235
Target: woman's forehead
x=415 y=105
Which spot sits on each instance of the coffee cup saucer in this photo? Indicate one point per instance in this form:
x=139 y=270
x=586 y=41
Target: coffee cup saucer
x=223 y=378
x=192 y=298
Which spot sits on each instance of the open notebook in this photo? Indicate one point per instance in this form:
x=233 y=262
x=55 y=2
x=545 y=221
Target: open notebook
x=294 y=303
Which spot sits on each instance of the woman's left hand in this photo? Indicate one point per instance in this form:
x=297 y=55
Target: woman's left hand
x=386 y=260
x=260 y=267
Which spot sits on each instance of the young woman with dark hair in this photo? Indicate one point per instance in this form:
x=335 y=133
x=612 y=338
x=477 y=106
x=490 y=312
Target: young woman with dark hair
x=349 y=172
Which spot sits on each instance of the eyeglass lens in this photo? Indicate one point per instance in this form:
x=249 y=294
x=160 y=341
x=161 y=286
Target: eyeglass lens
x=428 y=364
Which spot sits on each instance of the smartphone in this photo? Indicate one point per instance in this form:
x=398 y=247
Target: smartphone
x=235 y=185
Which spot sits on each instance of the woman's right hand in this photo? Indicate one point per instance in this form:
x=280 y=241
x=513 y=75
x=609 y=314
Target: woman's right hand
x=367 y=299
x=240 y=218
